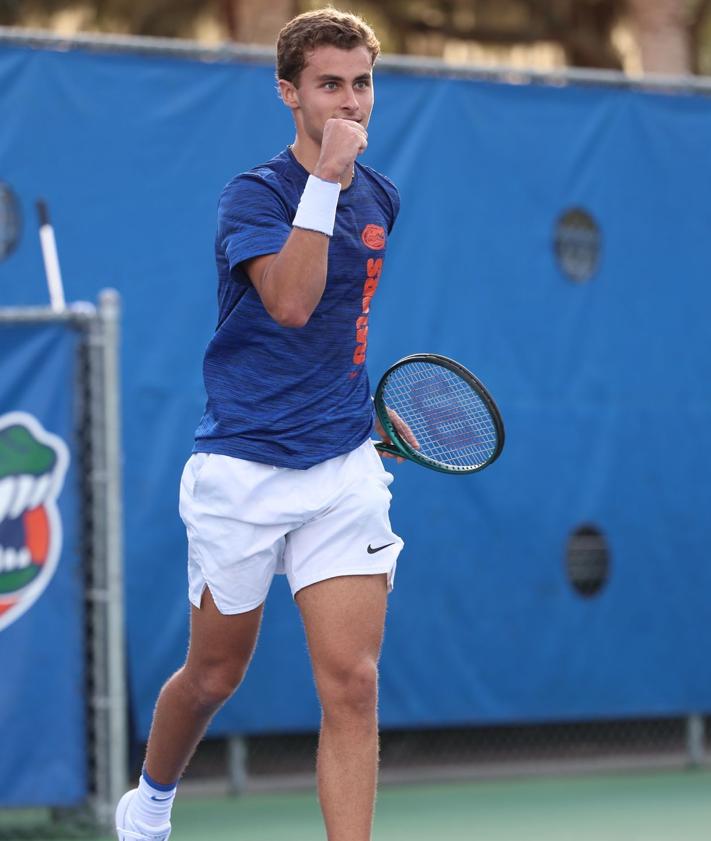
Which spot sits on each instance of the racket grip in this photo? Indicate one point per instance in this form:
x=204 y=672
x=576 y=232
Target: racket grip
x=392 y=450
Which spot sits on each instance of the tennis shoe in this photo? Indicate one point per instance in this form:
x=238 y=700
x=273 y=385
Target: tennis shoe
x=127 y=830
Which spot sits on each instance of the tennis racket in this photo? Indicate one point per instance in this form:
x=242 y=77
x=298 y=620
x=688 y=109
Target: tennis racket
x=456 y=424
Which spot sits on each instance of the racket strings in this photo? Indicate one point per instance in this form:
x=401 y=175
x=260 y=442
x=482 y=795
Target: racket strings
x=452 y=423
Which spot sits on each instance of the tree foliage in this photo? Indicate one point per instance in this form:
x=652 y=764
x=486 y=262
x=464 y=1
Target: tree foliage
x=583 y=29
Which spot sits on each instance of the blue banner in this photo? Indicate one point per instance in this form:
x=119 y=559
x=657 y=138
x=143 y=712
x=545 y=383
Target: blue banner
x=553 y=239
x=42 y=692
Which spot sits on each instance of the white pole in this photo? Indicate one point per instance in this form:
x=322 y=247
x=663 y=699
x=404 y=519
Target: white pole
x=51 y=259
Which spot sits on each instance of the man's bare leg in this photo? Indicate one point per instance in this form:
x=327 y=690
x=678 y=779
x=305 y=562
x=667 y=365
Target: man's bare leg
x=344 y=620
x=219 y=654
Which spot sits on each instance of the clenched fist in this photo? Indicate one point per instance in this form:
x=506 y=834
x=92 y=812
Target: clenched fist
x=342 y=142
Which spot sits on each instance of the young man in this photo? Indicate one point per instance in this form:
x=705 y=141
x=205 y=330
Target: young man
x=283 y=476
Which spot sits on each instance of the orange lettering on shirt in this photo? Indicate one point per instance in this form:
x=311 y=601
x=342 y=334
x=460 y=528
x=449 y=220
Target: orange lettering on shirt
x=374 y=268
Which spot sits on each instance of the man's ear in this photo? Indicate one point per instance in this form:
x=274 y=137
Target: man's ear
x=289 y=94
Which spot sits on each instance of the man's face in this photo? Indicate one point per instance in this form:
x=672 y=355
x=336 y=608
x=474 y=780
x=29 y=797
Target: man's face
x=334 y=83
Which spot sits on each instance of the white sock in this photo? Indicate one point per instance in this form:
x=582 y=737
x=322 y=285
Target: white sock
x=151 y=804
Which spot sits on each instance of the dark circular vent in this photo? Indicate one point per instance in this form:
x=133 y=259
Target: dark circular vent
x=577 y=244
x=587 y=560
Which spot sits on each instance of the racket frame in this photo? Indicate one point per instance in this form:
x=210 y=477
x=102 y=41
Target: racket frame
x=401 y=448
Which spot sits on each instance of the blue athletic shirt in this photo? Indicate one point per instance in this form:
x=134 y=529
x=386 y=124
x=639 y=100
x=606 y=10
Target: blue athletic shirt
x=293 y=397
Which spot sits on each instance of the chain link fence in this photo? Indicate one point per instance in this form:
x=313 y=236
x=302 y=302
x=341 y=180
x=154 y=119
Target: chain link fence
x=283 y=761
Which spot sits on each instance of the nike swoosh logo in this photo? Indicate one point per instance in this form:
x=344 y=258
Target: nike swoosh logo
x=160 y=799
x=372 y=551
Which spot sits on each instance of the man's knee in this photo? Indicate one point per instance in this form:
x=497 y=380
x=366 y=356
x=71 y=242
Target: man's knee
x=211 y=686
x=350 y=689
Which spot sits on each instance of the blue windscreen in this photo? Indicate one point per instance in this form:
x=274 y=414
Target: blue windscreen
x=43 y=705
x=555 y=240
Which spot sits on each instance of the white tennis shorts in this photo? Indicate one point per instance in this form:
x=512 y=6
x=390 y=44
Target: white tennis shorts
x=248 y=521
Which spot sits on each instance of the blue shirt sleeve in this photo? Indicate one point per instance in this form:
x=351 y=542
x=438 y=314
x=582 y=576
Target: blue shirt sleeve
x=388 y=192
x=252 y=218
x=395 y=202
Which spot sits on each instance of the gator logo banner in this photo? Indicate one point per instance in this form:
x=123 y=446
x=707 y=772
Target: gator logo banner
x=33 y=464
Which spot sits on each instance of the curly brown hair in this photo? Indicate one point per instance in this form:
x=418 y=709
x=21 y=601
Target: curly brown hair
x=309 y=30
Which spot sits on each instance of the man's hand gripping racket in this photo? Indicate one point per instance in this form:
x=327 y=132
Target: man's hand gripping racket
x=386 y=447
x=433 y=411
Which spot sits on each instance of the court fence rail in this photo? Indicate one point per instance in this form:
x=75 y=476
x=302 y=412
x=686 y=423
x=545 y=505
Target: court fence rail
x=257 y=54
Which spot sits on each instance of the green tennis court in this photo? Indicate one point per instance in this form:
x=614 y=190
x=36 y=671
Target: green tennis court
x=669 y=806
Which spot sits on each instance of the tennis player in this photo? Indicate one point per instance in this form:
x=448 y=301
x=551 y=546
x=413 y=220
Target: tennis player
x=284 y=477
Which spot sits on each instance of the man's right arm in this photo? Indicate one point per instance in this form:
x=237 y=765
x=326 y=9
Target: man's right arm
x=291 y=283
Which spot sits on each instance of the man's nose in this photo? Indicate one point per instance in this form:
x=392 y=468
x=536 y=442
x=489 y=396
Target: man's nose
x=350 y=100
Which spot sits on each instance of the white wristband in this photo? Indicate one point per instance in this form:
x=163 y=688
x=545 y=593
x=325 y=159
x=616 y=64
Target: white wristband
x=317 y=208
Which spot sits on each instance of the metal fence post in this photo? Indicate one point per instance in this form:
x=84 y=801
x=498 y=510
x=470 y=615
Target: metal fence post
x=237 y=764
x=110 y=310
x=107 y=594
x=695 y=737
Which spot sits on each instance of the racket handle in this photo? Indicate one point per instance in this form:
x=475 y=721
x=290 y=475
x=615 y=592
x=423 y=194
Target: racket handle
x=382 y=447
